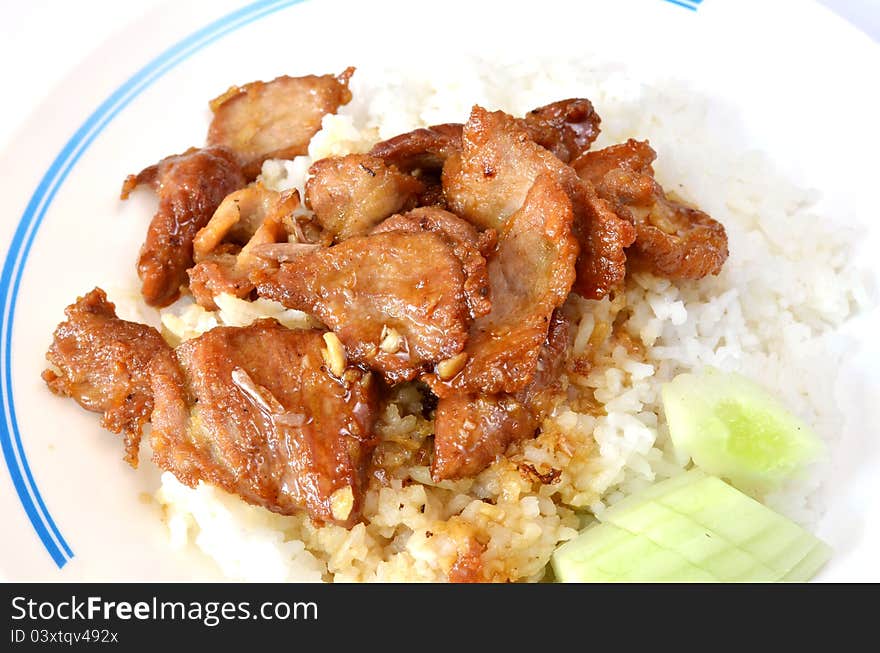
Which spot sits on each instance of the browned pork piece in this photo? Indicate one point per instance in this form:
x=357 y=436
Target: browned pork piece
x=423 y=149
x=530 y=275
x=567 y=128
x=103 y=363
x=224 y=248
x=255 y=411
x=498 y=164
x=472 y=430
x=396 y=300
x=190 y=187
x=422 y=153
x=470 y=246
x=277 y=119
x=672 y=240
x=353 y=193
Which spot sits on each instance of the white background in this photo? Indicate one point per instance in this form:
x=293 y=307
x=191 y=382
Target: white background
x=42 y=40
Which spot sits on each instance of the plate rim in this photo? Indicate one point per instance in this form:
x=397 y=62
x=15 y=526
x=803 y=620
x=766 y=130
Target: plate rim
x=28 y=224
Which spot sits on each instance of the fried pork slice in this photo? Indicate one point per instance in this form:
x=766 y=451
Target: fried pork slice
x=530 y=275
x=672 y=240
x=396 y=300
x=277 y=119
x=224 y=248
x=190 y=187
x=472 y=430
x=470 y=246
x=488 y=181
x=604 y=237
x=352 y=194
x=424 y=149
x=253 y=410
x=422 y=153
x=567 y=128
x=102 y=363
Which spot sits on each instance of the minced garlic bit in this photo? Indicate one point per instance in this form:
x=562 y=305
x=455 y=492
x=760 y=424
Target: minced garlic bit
x=451 y=366
x=334 y=354
x=391 y=340
x=341 y=503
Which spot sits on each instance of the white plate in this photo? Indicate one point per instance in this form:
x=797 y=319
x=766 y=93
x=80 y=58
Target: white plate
x=801 y=83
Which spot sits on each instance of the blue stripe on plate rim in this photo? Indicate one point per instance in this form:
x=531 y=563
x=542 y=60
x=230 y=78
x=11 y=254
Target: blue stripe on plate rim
x=693 y=5
x=10 y=278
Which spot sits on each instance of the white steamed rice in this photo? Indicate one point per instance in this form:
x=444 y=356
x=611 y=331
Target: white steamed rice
x=772 y=314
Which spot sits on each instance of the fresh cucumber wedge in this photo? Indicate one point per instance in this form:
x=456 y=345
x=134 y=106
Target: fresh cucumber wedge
x=732 y=428
x=697 y=544
x=605 y=553
x=655 y=491
x=810 y=565
x=767 y=536
x=690 y=528
x=665 y=566
x=571 y=561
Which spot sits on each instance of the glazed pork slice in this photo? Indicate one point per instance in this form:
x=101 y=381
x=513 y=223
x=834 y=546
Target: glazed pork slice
x=472 y=430
x=396 y=300
x=253 y=410
x=488 y=181
x=353 y=193
x=470 y=246
x=422 y=153
x=190 y=187
x=530 y=275
x=224 y=248
x=672 y=240
x=102 y=363
x=276 y=119
x=567 y=128
x=424 y=149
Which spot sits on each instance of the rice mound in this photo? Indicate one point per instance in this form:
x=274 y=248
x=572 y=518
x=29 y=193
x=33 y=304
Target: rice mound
x=772 y=314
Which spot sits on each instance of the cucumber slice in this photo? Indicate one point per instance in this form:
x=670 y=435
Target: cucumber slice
x=690 y=528
x=622 y=560
x=605 y=553
x=665 y=566
x=768 y=537
x=697 y=544
x=810 y=565
x=782 y=547
x=711 y=525
x=570 y=561
x=655 y=491
x=714 y=504
x=732 y=428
